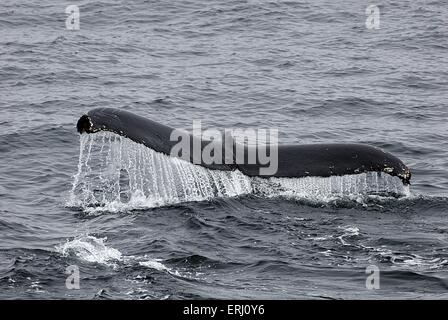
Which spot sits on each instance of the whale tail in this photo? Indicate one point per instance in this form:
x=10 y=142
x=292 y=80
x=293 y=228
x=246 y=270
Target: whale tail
x=294 y=161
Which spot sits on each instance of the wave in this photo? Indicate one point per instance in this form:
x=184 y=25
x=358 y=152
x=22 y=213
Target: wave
x=116 y=174
x=351 y=237
x=91 y=249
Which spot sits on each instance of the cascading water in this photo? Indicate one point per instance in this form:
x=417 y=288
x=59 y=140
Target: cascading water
x=324 y=189
x=118 y=174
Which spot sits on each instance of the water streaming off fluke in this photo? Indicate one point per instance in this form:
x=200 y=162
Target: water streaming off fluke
x=117 y=174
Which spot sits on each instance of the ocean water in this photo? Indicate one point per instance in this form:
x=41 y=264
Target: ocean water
x=311 y=69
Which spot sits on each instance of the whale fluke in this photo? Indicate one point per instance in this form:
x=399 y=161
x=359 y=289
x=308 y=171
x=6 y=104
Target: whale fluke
x=294 y=161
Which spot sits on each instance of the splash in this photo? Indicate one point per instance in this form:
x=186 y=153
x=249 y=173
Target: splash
x=117 y=174
x=90 y=249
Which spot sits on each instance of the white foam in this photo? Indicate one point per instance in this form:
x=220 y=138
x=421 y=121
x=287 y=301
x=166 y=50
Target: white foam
x=154 y=264
x=409 y=260
x=349 y=231
x=94 y=250
x=90 y=249
x=116 y=174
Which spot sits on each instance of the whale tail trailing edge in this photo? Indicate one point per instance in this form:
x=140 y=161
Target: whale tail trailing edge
x=294 y=161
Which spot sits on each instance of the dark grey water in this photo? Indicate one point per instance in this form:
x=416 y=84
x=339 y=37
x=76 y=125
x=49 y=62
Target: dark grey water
x=309 y=68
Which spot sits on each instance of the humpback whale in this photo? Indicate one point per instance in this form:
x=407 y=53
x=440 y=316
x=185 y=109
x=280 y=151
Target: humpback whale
x=294 y=161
